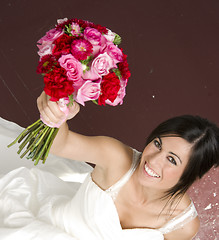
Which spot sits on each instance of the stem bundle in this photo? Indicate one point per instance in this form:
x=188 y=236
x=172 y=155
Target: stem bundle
x=38 y=139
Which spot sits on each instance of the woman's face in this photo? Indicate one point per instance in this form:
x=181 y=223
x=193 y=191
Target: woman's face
x=163 y=162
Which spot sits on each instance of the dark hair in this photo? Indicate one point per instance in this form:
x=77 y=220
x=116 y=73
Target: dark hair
x=203 y=135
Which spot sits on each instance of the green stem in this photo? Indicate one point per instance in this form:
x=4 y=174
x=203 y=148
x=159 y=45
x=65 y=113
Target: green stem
x=47 y=138
x=36 y=140
x=32 y=129
x=35 y=135
x=24 y=143
x=23 y=133
x=31 y=136
x=46 y=153
x=43 y=133
x=37 y=149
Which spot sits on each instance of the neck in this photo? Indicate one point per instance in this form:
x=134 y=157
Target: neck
x=144 y=195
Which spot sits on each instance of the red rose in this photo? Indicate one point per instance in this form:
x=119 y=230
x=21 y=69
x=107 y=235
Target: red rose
x=45 y=64
x=101 y=28
x=83 y=24
x=57 y=85
x=124 y=67
x=62 y=45
x=110 y=86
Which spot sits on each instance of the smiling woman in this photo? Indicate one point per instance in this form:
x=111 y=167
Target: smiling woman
x=128 y=195
x=202 y=138
x=161 y=164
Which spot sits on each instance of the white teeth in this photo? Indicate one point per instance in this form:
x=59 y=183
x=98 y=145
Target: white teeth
x=150 y=172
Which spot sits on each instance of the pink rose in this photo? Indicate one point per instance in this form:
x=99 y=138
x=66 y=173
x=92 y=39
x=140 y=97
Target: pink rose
x=51 y=36
x=72 y=66
x=120 y=96
x=89 y=91
x=113 y=51
x=102 y=64
x=45 y=49
x=92 y=35
x=77 y=84
x=90 y=75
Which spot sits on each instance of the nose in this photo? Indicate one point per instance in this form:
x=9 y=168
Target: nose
x=157 y=159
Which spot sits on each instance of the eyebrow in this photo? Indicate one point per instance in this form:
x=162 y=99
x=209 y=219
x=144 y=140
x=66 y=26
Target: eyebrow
x=160 y=140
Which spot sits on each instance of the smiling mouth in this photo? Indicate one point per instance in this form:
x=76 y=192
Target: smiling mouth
x=150 y=172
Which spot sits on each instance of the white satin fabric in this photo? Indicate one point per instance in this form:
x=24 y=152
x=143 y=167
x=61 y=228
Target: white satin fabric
x=59 y=200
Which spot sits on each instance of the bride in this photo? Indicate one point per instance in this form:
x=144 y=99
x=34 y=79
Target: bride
x=128 y=194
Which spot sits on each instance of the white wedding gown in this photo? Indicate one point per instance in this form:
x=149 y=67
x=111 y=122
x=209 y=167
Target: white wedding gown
x=59 y=200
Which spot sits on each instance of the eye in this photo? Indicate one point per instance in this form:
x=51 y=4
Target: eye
x=157 y=144
x=171 y=160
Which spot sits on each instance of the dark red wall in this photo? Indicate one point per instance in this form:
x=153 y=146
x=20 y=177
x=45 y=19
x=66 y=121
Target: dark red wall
x=173 y=52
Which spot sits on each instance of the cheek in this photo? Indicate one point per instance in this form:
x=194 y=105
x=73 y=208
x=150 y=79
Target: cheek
x=171 y=174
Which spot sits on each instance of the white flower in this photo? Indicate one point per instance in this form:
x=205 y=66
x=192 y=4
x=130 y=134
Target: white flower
x=60 y=21
x=110 y=36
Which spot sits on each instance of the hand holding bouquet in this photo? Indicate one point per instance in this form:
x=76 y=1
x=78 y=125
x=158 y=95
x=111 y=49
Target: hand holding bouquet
x=81 y=62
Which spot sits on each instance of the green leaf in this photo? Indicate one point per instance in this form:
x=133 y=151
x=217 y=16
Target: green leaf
x=82 y=30
x=117 y=72
x=87 y=69
x=68 y=29
x=117 y=39
x=45 y=63
x=95 y=101
x=71 y=100
x=87 y=61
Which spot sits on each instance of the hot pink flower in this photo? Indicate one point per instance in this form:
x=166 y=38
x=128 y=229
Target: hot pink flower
x=81 y=49
x=89 y=91
x=72 y=66
x=92 y=35
x=113 y=51
x=102 y=64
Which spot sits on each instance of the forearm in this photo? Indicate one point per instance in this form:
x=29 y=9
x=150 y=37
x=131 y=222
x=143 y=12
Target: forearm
x=60 y=140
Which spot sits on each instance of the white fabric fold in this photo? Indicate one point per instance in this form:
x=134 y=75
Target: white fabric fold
x=59 y=200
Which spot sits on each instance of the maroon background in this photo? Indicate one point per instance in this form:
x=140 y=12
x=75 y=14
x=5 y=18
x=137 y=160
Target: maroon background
x=173 y=52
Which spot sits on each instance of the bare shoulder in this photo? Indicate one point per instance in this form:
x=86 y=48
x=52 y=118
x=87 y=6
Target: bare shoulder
x=116 y=161
x=114 y=151
x=187 y=232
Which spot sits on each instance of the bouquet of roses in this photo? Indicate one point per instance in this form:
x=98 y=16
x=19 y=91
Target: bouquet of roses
x=79 y=61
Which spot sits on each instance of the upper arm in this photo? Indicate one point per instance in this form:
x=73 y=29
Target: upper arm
x=187 y=232
x=99 y=150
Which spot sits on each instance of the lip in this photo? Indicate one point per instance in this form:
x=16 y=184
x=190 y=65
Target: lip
x=152 y=177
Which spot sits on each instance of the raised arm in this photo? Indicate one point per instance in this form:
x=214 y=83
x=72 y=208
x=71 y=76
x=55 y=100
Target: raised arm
x=98 y=150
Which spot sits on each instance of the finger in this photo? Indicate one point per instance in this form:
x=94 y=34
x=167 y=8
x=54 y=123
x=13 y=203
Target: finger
x=49 y=112
x=48 y=109
x=56 y=111
x=73 y=110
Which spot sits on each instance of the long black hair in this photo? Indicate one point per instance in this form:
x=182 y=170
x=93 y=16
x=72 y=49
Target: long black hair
x=204 y=137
